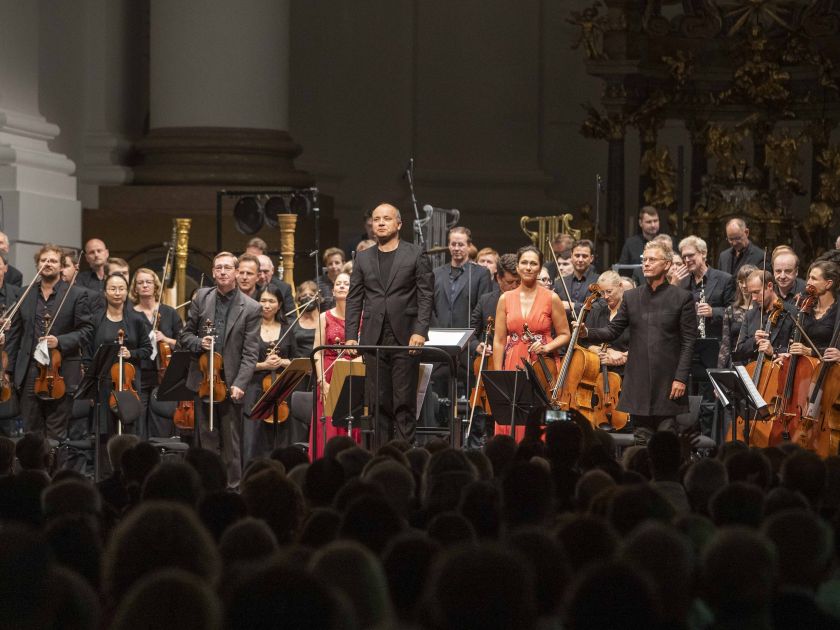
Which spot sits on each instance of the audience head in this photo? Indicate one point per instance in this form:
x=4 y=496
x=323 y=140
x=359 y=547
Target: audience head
x=211 y=470
x=804 y=472
x=739 y=503
x=804 y=547
x=33 y=452
x=270 y=496
x=173 y=481
x=703 y=479
x=665 y=455
x=117 y=446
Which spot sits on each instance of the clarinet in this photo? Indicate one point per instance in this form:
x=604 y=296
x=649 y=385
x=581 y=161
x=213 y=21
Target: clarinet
x=701 y=321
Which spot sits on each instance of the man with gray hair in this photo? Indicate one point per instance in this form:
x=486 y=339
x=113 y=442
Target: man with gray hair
x=741 y=251
x=716 y=288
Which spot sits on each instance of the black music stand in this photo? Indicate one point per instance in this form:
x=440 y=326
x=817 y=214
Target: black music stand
x=705 y=358
x=735 y=391
x=173 y=385
x=455 y=342
x=514 y=395
x=346 y=397
x=282 y=387
x=90 y=387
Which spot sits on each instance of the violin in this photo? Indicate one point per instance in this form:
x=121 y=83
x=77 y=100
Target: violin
x=5 y=384
x=575 y=386
x=212 y=388
x=765 y=377
x=184 y=416
x=478 y=396
x=282 y=410
x=794 y=382
x=607 y=392
x=122 y=375
x=164 y=350
x=49 y=384
x=546 y=371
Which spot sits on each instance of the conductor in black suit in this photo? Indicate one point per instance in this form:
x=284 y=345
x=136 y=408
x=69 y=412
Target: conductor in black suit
x=390 y=299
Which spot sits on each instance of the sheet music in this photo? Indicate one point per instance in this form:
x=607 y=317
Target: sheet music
x=442 y=337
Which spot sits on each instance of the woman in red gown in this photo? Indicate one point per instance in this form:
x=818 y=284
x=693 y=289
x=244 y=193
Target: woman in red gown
x=535 y=305
x=329 y=331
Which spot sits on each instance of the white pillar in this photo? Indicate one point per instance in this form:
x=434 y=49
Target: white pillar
x=115 y=93
x=219 y=94
x=38 y=191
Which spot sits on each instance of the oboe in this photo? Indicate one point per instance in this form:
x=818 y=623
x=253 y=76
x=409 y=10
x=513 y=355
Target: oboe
x=701 y=321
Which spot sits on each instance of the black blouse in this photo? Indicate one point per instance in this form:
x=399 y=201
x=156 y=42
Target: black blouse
x=820 y=330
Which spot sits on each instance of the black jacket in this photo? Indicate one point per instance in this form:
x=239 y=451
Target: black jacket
x=745 y=350
x=13 y=276
x=72 y=326
x=753 y=256
x=405 y=297
x=719 y=291
x=455 y=301
x=663 y=327
x=485 y=308
x=136 y=339
x=564 y=289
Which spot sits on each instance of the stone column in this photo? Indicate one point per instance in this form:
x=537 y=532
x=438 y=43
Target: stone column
x=615 y=192
x=37 y=189
x=219 y=95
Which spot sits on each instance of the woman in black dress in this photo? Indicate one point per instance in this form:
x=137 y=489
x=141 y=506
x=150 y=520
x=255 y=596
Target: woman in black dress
x=144 y=293
x=303 y=330
x=257 y=436
x=818 y=323
x=115 y=317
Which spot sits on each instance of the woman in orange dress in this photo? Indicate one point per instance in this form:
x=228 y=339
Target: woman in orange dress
x=536 y=306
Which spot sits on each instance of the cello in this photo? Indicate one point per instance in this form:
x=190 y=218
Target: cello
x=607 y=416
x=575 y=386
x=819 y=430
x=765 y=377
x=794 y=382
x=478 y=396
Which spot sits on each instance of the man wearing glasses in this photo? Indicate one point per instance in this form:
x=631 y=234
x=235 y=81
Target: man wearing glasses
x=40 y=322
x=235 y=321
x=741 y=251
x=663 y=326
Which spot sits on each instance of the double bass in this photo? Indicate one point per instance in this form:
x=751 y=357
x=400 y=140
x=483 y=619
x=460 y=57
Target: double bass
x=795 y=377
x=575 y=386
x=765 y=377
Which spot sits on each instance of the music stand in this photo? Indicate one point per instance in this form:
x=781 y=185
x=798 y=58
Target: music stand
x=455 y=342
x=735 y=389
x=346 y=397
x=173 y=385
x=90 y=387
x=282 y=387
x=513 y=394
x=705 y=357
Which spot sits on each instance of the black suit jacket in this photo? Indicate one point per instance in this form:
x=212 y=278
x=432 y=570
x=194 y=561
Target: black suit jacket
x=405 y=297
x=745 y=349
x=455 y=301
x=10 y=295
x=753 y=256
x=13 y=276
x=719 y=291
x=239 y=348
x=72 y=326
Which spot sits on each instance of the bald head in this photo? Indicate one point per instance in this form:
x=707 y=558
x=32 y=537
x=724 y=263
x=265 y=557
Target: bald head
x=266 y=272
x=737 y=234
x=386 y=223
x=96 y=254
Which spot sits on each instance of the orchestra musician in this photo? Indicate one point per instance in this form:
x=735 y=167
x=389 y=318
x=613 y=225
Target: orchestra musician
x=136 y=346
x=663 y=325
x=733 y=317
x=258 y=437
x=145 y=295
x=785 y=265
x=333 y=260
x=752 y=337
x=9 y=293
x=631 y=251
x=96 y=254
x=266 y=277
x=13 y=276
x=71 y=328
x=390 y=299
x=236 y=331
x=574 y=287
x=330 y=331
x=819 y=322
x=716 y=288
x=303 y=329
x=534 y=305
x=740 y=251
x=603 y=312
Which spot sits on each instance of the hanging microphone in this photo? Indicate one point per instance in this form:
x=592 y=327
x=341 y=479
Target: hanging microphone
x=409 y=168
x=599 y=182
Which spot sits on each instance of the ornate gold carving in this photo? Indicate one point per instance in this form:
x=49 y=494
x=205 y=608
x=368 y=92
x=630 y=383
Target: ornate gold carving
x=782 y=160
x=602 y=126
x=592 y=27
x=756 y=12
x=829 y=159
x=680 y=67
x=725 y=146
x=657 y=164
x=547 y=227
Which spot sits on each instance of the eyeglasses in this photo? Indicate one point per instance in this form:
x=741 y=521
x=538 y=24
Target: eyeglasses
x=652 y=260
x=224 y=268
